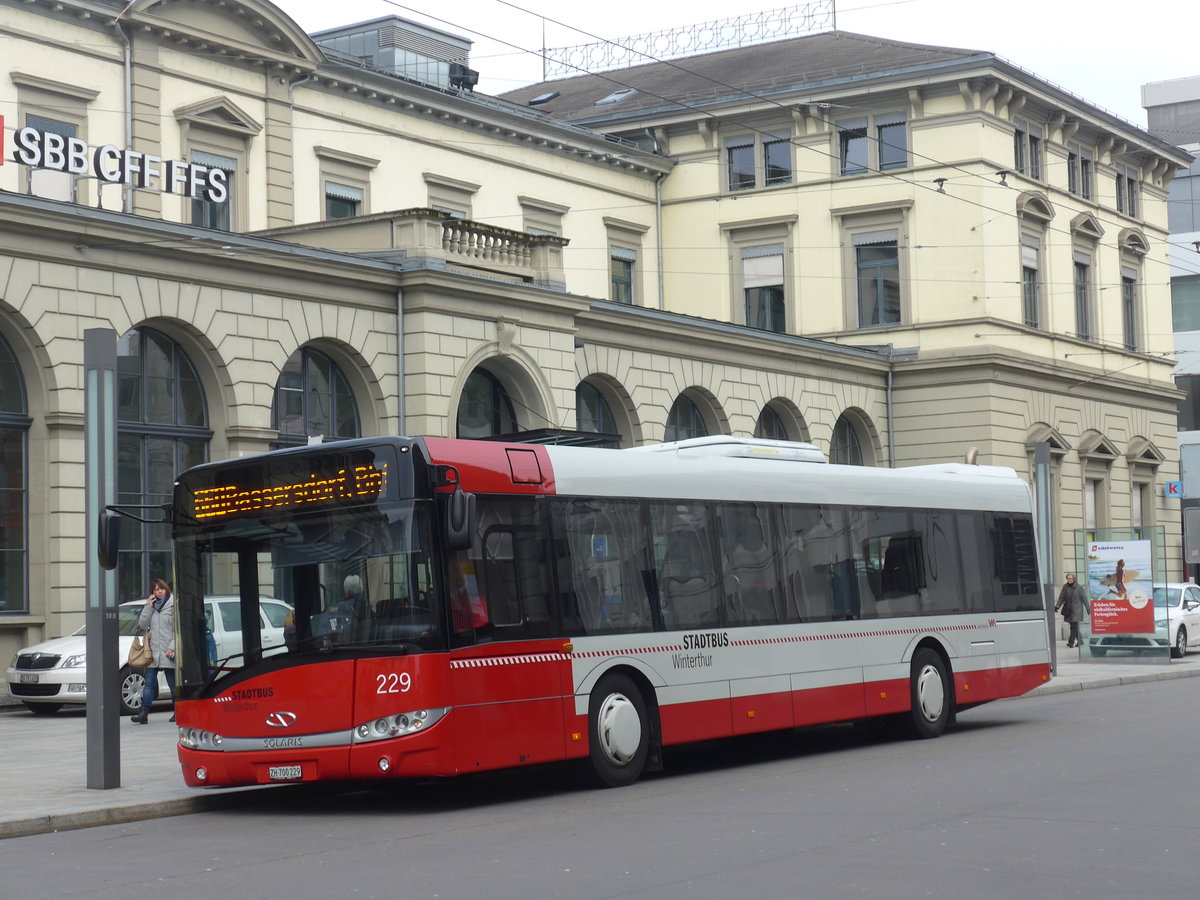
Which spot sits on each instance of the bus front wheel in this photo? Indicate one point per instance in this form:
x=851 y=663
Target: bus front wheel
x=618 y=731
x=932 y=695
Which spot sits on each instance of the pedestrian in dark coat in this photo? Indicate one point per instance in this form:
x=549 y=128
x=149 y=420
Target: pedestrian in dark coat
x=1073 y=604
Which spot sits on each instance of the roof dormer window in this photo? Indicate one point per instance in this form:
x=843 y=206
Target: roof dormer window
x=615 y=97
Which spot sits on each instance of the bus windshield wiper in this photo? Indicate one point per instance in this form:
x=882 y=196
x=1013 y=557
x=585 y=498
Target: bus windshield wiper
x=218 y=669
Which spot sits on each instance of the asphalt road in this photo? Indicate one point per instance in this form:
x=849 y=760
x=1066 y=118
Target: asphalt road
x=1083 y=794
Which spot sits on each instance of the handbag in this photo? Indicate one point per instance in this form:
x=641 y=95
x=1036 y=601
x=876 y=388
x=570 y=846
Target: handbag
x=140 y=654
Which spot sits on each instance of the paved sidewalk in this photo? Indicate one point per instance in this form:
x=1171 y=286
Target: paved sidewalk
x=43 y=784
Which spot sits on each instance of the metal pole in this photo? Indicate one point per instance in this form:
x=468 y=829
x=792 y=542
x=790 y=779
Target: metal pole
x=1041 y=481
x=100 y=456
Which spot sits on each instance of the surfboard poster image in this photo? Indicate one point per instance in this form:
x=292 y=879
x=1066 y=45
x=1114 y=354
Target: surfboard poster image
x=1120 y=587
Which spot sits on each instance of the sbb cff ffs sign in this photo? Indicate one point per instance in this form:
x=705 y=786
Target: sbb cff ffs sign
x=117 y=165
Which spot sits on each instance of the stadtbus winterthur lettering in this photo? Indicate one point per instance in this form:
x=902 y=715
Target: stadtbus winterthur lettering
x=225 y=500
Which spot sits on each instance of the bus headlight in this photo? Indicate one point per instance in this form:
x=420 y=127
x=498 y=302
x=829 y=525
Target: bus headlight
x=398 y=724
x=198 y=739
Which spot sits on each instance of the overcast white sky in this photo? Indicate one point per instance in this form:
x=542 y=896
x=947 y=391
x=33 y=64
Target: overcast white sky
x=1103 y=50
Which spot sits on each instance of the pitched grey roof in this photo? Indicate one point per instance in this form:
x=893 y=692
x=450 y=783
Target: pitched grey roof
x=830 y=57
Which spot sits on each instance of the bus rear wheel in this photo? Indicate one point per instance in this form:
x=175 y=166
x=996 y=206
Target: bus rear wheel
x=618 y=731
x=932 y=695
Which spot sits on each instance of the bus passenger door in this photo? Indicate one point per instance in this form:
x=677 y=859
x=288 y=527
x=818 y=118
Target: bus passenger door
x=507 y=664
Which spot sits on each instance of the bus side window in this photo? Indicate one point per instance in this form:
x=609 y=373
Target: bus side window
x=688 y=593
x=607 y=544
x=817 y=543
x=748 y=550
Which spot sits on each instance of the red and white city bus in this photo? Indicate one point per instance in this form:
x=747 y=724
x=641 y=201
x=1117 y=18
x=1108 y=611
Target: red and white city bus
x=462 y=606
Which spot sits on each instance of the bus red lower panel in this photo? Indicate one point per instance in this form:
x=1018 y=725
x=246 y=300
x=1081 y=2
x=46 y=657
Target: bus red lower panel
x=979 y=686
x=828 y=704
x=763 y=712
x=699 y=721
x=230 y=769
x=507 y=704
x=1020 y=680
x=885 y=698
x=505 y=734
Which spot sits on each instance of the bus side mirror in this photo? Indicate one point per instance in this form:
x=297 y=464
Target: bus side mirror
x=108 y=539
x=460 y=520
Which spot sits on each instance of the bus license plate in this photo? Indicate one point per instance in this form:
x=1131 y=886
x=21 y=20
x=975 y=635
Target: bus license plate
x=28 y=679
x=284 y=773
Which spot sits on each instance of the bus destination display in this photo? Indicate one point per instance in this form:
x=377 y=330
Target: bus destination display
x=343 y=486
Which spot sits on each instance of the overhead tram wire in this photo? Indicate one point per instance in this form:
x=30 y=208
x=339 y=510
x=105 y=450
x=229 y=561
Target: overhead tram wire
x=916 y=183
x=756 y=96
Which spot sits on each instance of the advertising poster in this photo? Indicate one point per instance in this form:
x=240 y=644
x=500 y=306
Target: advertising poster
x=1120 y=585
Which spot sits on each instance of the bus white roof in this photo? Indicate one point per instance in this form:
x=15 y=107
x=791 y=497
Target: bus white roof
x=747 y=448
x=699 y=474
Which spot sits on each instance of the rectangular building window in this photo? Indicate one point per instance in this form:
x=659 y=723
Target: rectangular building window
x=755 y=161
x=1073 y=168
x=50 y=183
x=622 y=264
x=1019 y=136
x=877 y=264
x=853 y=150
x=1027 y=149
x=740 y=159
x=1137 y=504
x=1189 y=406
x=877 y=142
x=1127 y=190
x=206 y=213
x=450 y=195
x=891 y=134
x=1035 y=152
x=342 y=201
x=777 y=161
x=1030 y=290
x=1129 y=308
x=1091 y=498
x=1083 y=297
x=1086 y=173
x=762 y=286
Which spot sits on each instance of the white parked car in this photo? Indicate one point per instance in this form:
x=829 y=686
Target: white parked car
x=1177 y=608
x=49 y=675
x=1176 y=623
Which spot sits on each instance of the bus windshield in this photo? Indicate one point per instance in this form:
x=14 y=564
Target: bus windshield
x=353 y=581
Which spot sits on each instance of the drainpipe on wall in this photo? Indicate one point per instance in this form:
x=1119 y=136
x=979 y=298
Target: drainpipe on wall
x=116 y=24
x=658 y=240
x=401 y=428
x=891 y=427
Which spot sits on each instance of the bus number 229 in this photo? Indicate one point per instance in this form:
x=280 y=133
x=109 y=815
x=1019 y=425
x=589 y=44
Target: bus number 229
x=393 y=683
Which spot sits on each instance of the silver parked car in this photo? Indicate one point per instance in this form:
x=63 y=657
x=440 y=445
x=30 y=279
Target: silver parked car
x=49 y=675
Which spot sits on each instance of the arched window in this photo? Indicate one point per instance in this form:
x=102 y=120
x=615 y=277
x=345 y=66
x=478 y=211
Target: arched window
x=845 y=449
x=770 y=425
x=685 y=421
x=312 y=397
x=593 y=414
x=14 y=423
x=485 y=409
x=162 y=429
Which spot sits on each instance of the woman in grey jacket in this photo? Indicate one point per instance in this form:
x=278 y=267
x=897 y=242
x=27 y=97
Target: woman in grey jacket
x=158 y=617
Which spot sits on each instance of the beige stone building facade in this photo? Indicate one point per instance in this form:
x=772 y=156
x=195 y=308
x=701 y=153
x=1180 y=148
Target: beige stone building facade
x=295 y=236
